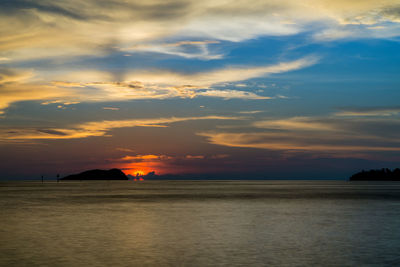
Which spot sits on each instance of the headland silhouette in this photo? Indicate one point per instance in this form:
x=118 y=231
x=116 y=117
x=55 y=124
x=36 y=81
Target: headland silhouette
x=113 y=174
x=377 y=175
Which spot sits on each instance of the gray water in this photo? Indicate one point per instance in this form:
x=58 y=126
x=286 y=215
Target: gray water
x=200 y=223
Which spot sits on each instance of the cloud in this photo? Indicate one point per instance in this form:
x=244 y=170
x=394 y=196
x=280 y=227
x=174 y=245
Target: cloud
x=369 y=111
x=194 y=157
x=329 y=135
x=186 y=49
x=163 y=84
x=229 y=94
x=149 y=157
x=110 y=108
x=124 y=149
x=234 y=74
x=250 y=112
x=51 y=132
x=392 y=13
x=98 y=86
x=68 y=28
x=67 y=84
x=182 y=43
x=71 y=28
x=59 y=102
x=286 y=142
x=12 y=75
x=12 y=90
x=380 y=31
x=296 y=123
x=241 y=28
x=96 y=128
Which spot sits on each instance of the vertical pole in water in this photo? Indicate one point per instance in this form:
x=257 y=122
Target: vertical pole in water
x=42 y=179
x=58 y=178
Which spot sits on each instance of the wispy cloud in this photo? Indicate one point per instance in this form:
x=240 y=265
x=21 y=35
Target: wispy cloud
x=296 y=123
x=369 y=112
x=12 y=75
x=124 y=149
x=149 y=157
x=59 y=102
x=229 y=94
x=152 y=157
x=181 y=43
x=290 y=142
x=92 y=86
x=96 y=128
x=186 y=49
x=194 y=157
x=111 y=108
x=17 y=86
x=250 y=111
x=328 y=135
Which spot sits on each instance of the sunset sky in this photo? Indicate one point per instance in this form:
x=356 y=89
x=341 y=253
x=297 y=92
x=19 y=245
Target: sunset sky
x=213 y=88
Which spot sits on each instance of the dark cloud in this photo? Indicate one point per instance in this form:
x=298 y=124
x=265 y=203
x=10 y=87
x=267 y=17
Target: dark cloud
x=53 y=132
x=5 y=73
x=239 y=8
x=13 y=6
x=8 y=76
x=393 y=11
x=96 y=10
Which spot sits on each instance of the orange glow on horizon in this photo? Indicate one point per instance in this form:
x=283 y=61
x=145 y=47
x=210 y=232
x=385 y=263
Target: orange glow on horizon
x=149 y=163
x=143 y=167
x=138 y=173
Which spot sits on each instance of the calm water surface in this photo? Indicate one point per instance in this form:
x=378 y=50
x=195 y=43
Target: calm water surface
x=201 y=223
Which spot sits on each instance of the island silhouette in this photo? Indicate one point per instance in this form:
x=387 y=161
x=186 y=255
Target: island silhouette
x=113 y=174
x=377 y=175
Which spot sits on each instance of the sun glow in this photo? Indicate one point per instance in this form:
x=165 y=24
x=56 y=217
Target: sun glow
x=144 y=166
x=138 y=173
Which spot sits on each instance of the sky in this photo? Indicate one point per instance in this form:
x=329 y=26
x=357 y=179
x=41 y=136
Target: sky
x=214 y=88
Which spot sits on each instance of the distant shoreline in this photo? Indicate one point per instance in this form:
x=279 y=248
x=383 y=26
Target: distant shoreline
x=384 y=174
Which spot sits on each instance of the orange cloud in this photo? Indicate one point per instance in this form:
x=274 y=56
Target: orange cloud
x=146 y=157
x=25 y=85
x=336 y=135
x=194 y=157
x=97 y=128
x=280 y=141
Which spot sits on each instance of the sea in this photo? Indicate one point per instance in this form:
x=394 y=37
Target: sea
x=200 y=223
